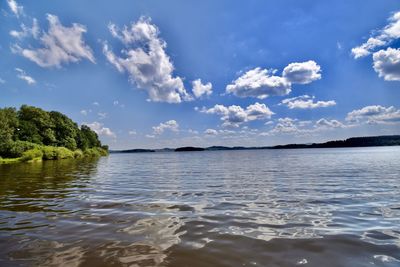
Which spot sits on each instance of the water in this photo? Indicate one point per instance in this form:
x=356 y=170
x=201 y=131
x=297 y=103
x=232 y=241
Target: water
x=315 y=207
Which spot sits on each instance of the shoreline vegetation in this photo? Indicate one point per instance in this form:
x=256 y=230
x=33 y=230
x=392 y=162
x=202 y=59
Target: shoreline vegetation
x=368 y=141
x=31 y=134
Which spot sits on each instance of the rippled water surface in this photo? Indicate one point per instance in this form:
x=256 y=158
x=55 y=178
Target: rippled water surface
x=313 y=207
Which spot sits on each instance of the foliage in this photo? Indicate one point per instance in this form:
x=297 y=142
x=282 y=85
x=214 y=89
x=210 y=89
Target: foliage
x=64 y=153
x=15 y=149
x=8 y=124
x=32 y=154
x=95 y=152
x=52 y=133
x=78 y=154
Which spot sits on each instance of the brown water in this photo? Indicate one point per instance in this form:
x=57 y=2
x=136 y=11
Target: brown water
x=316 y=207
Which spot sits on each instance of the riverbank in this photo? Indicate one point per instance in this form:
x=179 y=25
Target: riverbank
x=40 y=152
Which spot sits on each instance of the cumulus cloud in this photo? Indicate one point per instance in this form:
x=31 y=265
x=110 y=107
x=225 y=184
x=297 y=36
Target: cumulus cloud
x=324 y=123
x=379 y=38
x=261 y=83
x=15 y=8
x=233 y=116
x=290 y=126
x=375 y=115
x=200 y=89
x=146 y=61
x=25 y=77
x=171 y=125
x=211 y=132
x=302 y=73
x=285 y=126
x=387 y=64
x=306 y=102
x=60 y=45
x=100 y=129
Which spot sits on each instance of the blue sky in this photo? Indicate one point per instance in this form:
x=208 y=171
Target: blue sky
x=157 y=74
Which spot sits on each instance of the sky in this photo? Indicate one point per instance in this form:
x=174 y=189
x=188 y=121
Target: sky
x=154 y=74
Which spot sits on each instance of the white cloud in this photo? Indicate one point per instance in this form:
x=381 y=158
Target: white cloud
x=132 y=132
x=27 y=31
x=117 y=103
x=211 y=132
x=95 y=103
x=262 y=83
x=171 y=125
x=2 y=81
x=193 y=131
x=233 y=116
x=15 y=8
x=200 y=89
x=285 y=126
x=23 y=76
x=60 y=45
x=375 y=114
x=324 y=123
x=146 y=62
x=85 y=112
x=290 y=126
x=102 y=115
x=387 y=64
x=306 y=102
x=302 y=73
x=380 y=38
x=259 y=83
x=100 y=129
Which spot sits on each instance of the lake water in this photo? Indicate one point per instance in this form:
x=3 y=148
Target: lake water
x=311 y=207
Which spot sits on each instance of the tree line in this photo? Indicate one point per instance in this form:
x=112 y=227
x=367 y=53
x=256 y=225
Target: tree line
x=32 y=127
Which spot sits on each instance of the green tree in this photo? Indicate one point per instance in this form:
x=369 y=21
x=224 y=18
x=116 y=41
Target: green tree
x=66 y=131
x=89 y=137
x=31 y=128
x=8 y=124
x=36 y=125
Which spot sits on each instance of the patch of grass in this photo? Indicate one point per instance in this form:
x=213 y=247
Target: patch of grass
x=8 y=161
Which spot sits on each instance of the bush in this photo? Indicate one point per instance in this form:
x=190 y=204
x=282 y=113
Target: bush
x=95 y=152
x=78 y=153
x=15 y=149
x=92 y=152
x=64 y=153
x=49 y=152
x=31 y=154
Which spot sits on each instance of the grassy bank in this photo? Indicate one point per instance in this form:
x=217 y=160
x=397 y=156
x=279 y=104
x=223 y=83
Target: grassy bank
x=30 y=152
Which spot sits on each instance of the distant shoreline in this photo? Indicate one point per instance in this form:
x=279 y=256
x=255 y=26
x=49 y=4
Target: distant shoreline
x=368 y=141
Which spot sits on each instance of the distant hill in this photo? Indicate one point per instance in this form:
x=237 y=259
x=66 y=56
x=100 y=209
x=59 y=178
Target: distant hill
x=137 y=150
x=189 y=148
x=388 y=140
